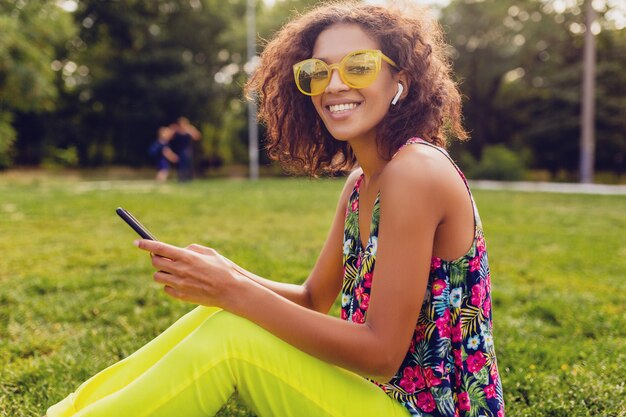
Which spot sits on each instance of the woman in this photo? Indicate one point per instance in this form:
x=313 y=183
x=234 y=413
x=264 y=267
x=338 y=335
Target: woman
x=343 y=85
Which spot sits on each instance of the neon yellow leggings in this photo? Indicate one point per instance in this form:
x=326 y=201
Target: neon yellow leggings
x=193 y=367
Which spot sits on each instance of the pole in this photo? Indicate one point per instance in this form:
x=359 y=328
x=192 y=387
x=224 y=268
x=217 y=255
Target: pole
x=587 y=137
x=253 y=128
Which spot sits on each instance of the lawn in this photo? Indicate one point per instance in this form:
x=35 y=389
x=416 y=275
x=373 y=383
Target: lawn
x=76 y=296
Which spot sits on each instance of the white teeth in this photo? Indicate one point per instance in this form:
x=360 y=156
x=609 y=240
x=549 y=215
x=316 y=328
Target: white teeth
x=342 y=107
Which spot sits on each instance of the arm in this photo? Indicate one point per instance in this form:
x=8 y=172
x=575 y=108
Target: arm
x=169 y=154
x=323 y=284
x=320 y=289
x=375 y=348
x=192 y=130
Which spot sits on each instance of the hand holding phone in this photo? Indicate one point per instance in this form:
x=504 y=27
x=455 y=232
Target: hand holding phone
x=134 y=224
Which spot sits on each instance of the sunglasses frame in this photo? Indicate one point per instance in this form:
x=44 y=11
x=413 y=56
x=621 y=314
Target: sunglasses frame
x=340 y=68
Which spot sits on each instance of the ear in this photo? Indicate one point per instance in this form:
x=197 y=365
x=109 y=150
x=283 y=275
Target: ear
x=398 y=94
x=404 y=80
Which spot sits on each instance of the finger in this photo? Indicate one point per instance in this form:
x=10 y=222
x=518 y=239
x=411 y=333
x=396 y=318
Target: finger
x=177 y=282
x=163 y=264
x=179 y=294
x=201 y=249
x=165 y=278
x=170 y=291
x=159 y=248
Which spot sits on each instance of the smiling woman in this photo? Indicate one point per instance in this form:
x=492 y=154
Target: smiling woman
x=429 y=106
x=342 y=86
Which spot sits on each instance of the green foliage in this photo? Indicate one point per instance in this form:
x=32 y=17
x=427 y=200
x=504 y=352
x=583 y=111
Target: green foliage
x=123 y=69
x=59 y=157
x=150 y=62
x=497 y=163
x=76 y=296
x=31 y=32
x=7 y=138
x=520 y=62
x=144 y=63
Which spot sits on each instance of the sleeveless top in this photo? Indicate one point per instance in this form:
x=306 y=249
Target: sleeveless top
x=450 y=366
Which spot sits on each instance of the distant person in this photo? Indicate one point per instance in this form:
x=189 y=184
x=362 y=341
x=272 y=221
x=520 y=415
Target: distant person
x=184 y=134
x=163 y=154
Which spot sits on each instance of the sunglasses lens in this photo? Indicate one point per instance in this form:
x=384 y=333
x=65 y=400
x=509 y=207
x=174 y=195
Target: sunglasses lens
x=358 y=70
x=313 y=76
x=361 y=69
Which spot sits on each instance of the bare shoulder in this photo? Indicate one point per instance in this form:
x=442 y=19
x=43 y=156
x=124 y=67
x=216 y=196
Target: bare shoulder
x=422 y=179
x=422 y=168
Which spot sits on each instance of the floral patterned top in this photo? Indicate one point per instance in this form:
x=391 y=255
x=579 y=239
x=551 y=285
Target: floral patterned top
x=450 y=367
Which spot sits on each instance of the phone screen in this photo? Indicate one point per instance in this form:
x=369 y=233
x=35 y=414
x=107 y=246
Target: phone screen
x=135 y=224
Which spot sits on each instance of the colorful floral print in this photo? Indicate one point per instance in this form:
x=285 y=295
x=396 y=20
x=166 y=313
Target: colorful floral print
x=450 y=368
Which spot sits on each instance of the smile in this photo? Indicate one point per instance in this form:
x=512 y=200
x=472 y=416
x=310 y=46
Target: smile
x=336 y=108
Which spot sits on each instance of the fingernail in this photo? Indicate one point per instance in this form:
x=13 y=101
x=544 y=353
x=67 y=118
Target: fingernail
x=136 y=243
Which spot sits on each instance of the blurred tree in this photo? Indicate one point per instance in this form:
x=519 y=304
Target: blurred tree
x=147 y=63
x=136 y=65
x=128 y=67
x=520 y=66
x=31 y=31
x=228 y=141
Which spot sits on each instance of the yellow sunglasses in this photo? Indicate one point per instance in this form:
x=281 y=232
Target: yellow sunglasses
x=358 y=69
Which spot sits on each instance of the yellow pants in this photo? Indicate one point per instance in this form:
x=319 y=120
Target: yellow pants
x=193 y=367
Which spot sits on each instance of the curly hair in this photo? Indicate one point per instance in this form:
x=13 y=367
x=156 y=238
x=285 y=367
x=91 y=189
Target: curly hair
x=296 y=135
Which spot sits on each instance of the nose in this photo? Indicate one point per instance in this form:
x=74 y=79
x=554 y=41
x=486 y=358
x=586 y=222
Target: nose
x=336 y=84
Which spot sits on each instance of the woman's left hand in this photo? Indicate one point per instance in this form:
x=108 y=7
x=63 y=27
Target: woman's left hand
x=195 y=274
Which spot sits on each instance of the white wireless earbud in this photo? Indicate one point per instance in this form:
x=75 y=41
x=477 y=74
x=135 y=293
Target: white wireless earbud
x=398 y=94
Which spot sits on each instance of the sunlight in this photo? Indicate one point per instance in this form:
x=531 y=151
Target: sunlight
x=69 y=6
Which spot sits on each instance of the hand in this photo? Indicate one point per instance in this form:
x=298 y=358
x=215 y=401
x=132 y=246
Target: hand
x=195 y=274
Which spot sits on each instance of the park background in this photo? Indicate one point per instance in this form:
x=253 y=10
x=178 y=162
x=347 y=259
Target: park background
x=84 y=85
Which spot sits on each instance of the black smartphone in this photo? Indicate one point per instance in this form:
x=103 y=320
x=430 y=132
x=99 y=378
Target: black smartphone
x=134 y=223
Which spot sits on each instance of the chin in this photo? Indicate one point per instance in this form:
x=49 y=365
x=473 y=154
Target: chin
x=349 y=132
x=340 y=138
x=349 y=137
x=342 y=135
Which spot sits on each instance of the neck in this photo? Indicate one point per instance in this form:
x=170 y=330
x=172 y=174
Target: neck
x=370 y=161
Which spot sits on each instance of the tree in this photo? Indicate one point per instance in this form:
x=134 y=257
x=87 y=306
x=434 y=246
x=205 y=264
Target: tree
x=139 y=64
x=588 y=99
x=150 y=62
x=31 y=33
x=520 y=66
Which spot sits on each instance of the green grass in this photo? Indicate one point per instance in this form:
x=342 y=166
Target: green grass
x=76 y=296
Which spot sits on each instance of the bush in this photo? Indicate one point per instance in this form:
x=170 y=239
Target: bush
x=498 y=163
x=7 y=138
x=61 y=158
